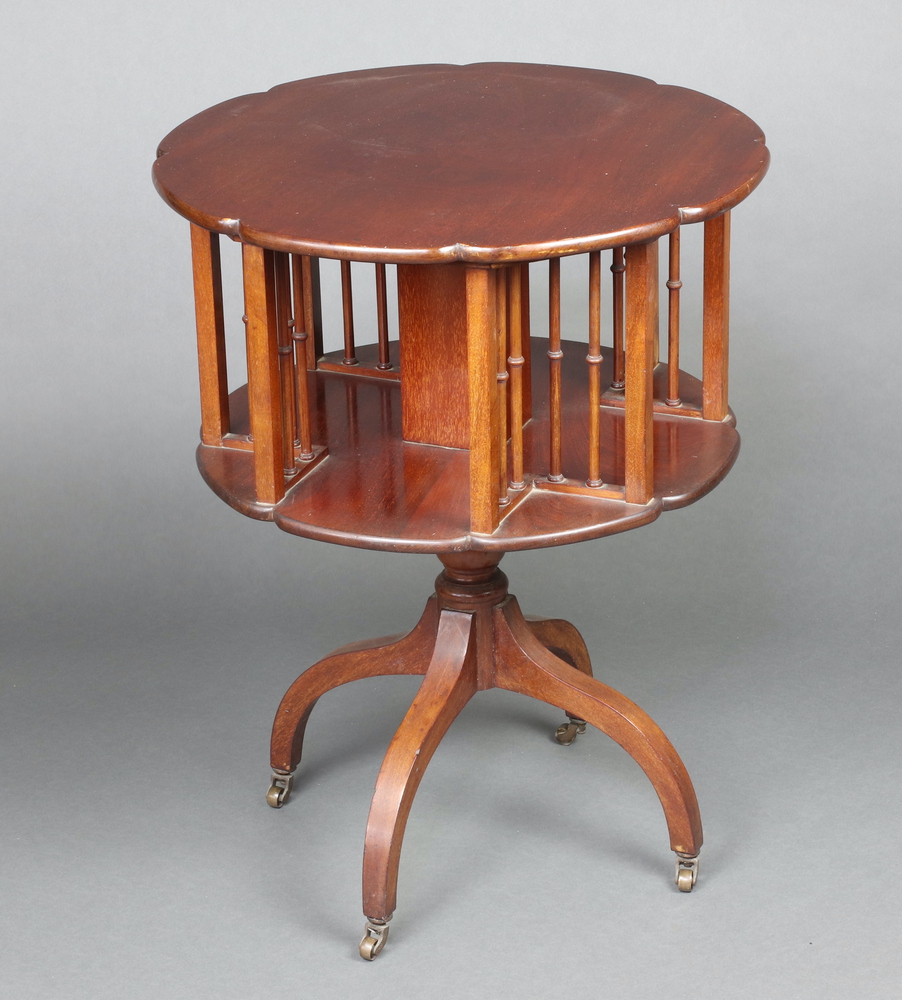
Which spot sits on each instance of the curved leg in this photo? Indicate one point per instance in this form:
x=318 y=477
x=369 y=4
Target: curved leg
x=407 y=654
x=450 y=682
x=523 y=664
x=564 y=640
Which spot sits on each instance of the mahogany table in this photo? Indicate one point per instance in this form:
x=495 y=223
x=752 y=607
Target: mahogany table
x=468 y=437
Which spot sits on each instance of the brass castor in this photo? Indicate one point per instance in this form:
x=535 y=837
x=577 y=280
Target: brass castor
x=374 y=937
x=568 y=732
x=280 y=789
x=686 y=872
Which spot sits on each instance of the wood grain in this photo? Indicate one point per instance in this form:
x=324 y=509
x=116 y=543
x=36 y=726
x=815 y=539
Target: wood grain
x=313 y=312
x=377 y=491
x=432 y=318
x=449 y=684
x=481 y=163
x=211 y=347
x=561 y=638
x=641 y=338
x=482 y=356
x=393 y=654
x=716 y=323
x=287 y=381
x=477 y=441
x=263 y=378
x=523 y=664
x=474 y=637
x=516 y=364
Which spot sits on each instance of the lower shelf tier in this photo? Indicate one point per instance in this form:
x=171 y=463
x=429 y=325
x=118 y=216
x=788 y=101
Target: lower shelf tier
x=374 y=490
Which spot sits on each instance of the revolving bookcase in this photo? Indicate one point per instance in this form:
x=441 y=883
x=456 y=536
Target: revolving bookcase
x=466 y=435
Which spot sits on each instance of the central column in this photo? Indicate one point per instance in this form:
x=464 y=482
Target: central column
x=473 y=583
x=432 y=321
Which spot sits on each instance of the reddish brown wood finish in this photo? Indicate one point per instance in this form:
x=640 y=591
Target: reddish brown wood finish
x=432 y=318
x=673 y=319
x=465 y=447
x=471 y=637
x=525 y=333
x=482 y=355
x=287 y=381
x=594 y=359
x=377 y=491
x=479 y=163
x=347 y=308
x=524 y=665
x=449 y=684
x=211 y=350
x=641 y=340
x=311 y=313
x=382 y=319
x=263 y=377
x=515 y=365
x=562 y=639
x=301 y=340
x=367 y=363
x=391 y=654
x=716 y=332
x=502 y=334
x=555 y=356
x=618 y=267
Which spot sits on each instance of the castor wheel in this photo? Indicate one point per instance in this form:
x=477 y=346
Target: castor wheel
x=686 y=872
x=374 y=937
x=280 y=789
x=568 y=732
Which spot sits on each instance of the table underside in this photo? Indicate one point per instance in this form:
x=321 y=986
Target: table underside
x=374 y=490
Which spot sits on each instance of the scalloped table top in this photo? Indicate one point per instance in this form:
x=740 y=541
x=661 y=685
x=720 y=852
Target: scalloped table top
x=480 y=163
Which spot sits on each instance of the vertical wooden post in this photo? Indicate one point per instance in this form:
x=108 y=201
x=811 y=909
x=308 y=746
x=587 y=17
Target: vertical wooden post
x=618 y=266
x=526 y=346
x=593 y=359
x=515 y=365
x=313 y=313
x=482 y=355
x=281 y=267
x=264 y=399
x=716 y=324
x=382 y=319
x=347 y=305
x=211 y=349
x=432 y=344
x=502 y=321
x=555 y=354
x=301 y=339
x=641 y=336
x=673 y=320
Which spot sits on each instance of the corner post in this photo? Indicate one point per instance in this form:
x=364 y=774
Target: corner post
x=211 y=349
x=641 y=350
x=716 y=323
x=263 y=378
x=482 y=378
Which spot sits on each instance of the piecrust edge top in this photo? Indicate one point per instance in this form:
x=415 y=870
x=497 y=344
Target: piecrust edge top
x=237 y=230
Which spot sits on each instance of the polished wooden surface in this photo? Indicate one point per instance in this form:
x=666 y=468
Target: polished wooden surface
x=432 y=334
x=471 y=637
x=469 y=438
x=486 y=162
x=377 y=491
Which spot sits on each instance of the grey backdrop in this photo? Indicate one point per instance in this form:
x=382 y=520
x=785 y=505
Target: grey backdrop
x=148 y=631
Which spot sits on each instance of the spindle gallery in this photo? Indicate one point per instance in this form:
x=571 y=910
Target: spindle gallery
x=476 y=427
